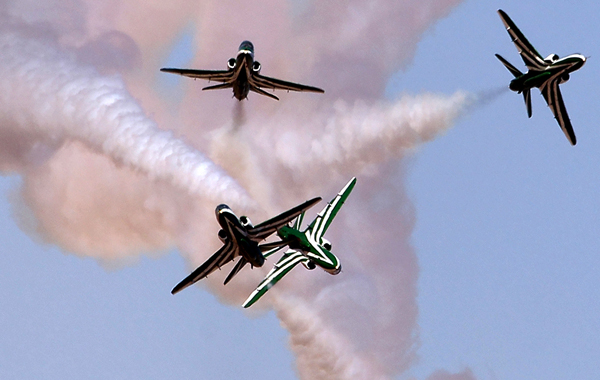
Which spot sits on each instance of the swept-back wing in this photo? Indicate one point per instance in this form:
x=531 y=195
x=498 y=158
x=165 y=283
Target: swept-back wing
x=278 y=84
x=533 y=60
x=224 y=255
x=553 y=97
x=287 y=262
x=225 y=76
x=324 y=218
x=268 y=227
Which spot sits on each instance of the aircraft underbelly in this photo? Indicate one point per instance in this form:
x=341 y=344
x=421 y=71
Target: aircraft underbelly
x=537 y=80
x=241 y=88
x=249 y=249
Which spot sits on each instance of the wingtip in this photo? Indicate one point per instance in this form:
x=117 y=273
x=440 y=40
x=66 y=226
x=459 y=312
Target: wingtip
x=349 y=185
x=175 y=290
x=248 y=303
x=179 y=287
x=170 y=70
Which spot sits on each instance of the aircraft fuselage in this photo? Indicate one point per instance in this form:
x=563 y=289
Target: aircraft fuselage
x=241 y=87
x=244 y=63
x=235 y=230
x=557 y=68
x=316 y=252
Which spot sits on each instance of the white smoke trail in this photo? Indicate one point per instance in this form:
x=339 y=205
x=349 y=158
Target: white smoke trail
x=129 y=175
x=358 y=324
x=357 y=135
x=49 y=101
x=45 y=93
x=466 y=374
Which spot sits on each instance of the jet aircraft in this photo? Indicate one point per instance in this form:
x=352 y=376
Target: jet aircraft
x=243 y=75
x=309 y=247
x=543 y=73
x=241 y=238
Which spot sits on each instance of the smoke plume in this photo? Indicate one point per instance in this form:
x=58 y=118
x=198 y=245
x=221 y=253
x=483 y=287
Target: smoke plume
x=112 y=170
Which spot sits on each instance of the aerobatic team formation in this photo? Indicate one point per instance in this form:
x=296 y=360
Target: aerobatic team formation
x=242 y=239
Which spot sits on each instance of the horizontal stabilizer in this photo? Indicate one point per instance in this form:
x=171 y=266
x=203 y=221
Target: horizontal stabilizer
x=218 y=86
x=263 y=92
x=268 y=249
x=285 y=264
x=238 y=267
x=514 y=71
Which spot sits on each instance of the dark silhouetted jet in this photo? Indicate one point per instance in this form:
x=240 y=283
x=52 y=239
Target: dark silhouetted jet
x=243 y=75
x=241 y=238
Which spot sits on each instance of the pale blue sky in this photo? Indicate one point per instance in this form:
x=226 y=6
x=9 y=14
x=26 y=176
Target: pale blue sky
x=507 y=211
x=506 y=237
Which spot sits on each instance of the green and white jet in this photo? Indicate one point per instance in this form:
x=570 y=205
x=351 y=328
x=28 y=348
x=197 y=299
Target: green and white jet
x=544 y=73
x=308 y=247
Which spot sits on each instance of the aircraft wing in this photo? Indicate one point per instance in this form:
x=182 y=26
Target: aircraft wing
x=278 y=84
x=268 y=249
x=287 y=262
x=266 y=228
x=224 y=76
x=551 y=93
x=533 y=60
x=224 y=255
x=324 y=218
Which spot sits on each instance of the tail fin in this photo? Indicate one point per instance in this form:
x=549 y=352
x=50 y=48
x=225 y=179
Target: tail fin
x=517 y=73
x=513 y=70
x=298 y=221
x=527 y=98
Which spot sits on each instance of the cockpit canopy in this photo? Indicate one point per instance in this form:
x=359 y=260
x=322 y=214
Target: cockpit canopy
x=552 y=58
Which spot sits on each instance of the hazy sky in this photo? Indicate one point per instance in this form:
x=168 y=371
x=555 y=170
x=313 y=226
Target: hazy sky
x=505 y=235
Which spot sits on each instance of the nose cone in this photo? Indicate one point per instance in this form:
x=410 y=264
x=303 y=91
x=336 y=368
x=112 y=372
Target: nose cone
x=247 y=45
x=583 y=60
x=336 y=270
x=579 y=61
x=220 y=208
